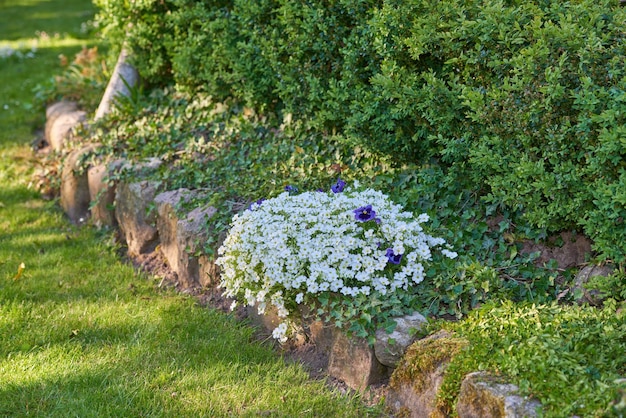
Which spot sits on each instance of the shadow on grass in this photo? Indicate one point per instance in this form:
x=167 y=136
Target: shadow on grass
x=162 y=367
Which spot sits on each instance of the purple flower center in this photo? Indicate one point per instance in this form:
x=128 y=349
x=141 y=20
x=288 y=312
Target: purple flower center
x=393 y=258
x=364 y=213
x=338 y=187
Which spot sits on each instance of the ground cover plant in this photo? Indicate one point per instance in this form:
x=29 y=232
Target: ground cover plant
x=422 y=101
x=324 y=249
x=82 y=333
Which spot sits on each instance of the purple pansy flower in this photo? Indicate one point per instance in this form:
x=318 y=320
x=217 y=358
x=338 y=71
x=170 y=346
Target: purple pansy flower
x=364 y=213
x=291 y=189
x=393 y=258
x=258 y=202
x=338 y=187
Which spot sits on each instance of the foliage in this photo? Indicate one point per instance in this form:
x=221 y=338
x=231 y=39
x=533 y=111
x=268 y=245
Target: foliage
x=568 y=357
x=343 y=244
x=82 y=80
x=612 y=286
x=208 y=145
x=521 y=100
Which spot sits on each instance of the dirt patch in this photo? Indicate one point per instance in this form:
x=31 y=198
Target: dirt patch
x=568 y=249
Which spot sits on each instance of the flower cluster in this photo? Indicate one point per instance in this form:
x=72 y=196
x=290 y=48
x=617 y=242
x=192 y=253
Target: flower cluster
x=287 y=250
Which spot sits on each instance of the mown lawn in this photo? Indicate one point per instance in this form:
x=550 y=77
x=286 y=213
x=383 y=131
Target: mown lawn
x=81 y=333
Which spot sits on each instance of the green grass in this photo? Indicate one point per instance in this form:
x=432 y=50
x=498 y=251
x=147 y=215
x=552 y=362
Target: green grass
x=81 y=334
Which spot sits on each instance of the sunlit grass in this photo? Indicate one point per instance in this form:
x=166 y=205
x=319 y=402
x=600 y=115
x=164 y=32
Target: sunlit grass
x=38 y=44
x=81 y=333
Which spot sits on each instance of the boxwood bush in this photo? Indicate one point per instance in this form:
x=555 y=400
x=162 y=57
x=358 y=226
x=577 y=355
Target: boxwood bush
x=523 y=101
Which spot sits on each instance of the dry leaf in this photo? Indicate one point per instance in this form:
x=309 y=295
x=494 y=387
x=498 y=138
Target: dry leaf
x=20 y=270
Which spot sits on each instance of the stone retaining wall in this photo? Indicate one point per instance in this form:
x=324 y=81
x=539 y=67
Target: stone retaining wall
x=149 y=217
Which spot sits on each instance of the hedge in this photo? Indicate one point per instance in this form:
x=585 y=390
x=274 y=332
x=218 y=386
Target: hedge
x=522 y=101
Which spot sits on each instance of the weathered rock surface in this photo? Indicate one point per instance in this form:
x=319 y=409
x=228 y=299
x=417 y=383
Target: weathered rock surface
x=482 y=396
x=266 y=322
x=209 y=273
x=54 y=111
x=415 y=382
x=75 y=196
x=182 y=236
x=322 y=335
x=63 y=106
x=353 y=361
x=390 y=348
x=102 y=196
x=60 y=128
x=137 y=224
x=124 y=77
x=593 y=297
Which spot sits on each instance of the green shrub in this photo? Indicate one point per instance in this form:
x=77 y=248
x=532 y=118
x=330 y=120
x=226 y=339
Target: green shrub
x=569 y=358
x=522 y=99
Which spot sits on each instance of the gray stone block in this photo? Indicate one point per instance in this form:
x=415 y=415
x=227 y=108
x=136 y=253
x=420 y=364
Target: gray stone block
x=390 y=348
x=413 y=389
x=124 y=77
x=353 y=361
x=75 y=196
x=483 y=396
x=61 y=127
x=137 y=224
x=182 y=235
x=102 y=195
x=54 y=111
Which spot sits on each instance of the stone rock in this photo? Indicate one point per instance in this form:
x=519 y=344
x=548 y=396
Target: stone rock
x=482 y=396
x=54 y=111
x=75 y=196
x=353 y=361
x=322 y=335
x=182 y=237
x=102 y=196
x=124 y=76
x=592 y=297
x=209 y=273
x=265 y=322
x=60 y=129
x=415 y=382
x=137 y=224
x=390 y=348
x=63 y=106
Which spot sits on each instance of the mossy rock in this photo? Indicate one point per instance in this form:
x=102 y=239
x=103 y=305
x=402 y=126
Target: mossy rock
x=416 y=381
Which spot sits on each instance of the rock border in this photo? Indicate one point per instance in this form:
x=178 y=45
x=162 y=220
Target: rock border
x=173 y=235
x=154 y=228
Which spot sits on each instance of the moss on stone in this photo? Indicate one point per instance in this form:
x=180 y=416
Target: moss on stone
x=425 y=359
x=426 y=356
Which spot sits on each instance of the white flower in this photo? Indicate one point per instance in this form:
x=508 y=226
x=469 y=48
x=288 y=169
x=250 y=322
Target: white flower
x=448 y=253
x=280 y=332
x=311 y=243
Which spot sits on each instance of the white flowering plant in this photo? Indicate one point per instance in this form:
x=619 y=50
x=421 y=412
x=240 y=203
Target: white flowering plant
x=347 y=250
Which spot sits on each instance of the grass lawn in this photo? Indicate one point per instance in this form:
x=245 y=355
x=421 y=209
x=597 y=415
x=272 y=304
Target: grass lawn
x=81 y=334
